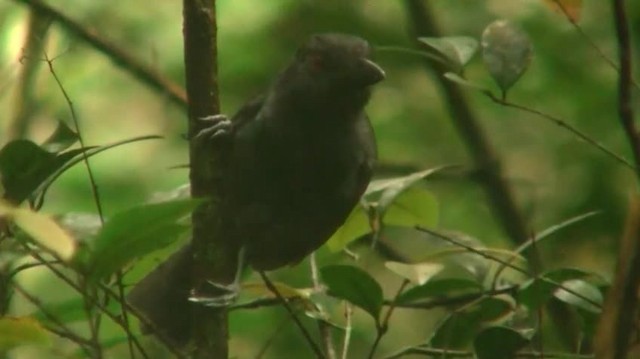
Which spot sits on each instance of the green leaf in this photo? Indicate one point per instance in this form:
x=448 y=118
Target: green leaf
x=506 y=51
x=586 y=290
x=394 y=186
x=354 y=227
x=134 y=233
x=23 y=166
x=448 y=287
x=536 y=292
x=354 y=285
x=17 y=331
x=460 y=328
x=61 y=139
x=412 y=207
x=458 y=50
x=42 y=229
x=499 y=343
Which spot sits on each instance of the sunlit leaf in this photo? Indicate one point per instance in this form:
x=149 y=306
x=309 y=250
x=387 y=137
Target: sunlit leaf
x=585 y=290
x=17 y=331
x=506 y=51
x=42 y=229
x=354 y=285
x=354 y=227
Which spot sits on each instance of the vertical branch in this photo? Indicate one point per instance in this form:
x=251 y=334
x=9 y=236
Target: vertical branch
x=625 y=110
x=214 y=260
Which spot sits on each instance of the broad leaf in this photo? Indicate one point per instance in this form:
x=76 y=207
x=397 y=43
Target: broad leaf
x=61 y=139
x=134 y=233
x=354 y=285
x=506 y=51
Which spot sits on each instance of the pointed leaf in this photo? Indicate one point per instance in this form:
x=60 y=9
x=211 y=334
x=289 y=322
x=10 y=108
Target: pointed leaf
x=458 y=50
x=586 y=290
x=506 y=51
x=354 y=227
x=536 y=292
x=61 y=139
x=134 y=233
x=354 y=285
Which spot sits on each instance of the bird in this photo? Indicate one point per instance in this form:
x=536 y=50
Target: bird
x=299 y=157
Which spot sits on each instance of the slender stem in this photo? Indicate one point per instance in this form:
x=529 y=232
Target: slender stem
x=316 y=349
x=119 y=56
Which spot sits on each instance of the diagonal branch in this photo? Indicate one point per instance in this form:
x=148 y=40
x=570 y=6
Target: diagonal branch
x=120 y=57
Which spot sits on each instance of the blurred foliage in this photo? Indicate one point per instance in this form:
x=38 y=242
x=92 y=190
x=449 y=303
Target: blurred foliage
x=554 y=175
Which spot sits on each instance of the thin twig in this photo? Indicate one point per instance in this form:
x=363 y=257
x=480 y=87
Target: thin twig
x=449 y=353
x=583 y=136
x=314 y=346
x=383 y=326
x=348 y=315
x=323 y=327
x=120 y=57
x=505 y=263
x=96 y=196
x=62 y=330
x=588 y=40
x=95 y=302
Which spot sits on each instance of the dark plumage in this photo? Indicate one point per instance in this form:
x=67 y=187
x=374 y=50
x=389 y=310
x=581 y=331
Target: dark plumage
x=300 y=158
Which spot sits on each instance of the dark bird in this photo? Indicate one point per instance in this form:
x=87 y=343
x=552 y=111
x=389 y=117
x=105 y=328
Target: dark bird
x=300 y=157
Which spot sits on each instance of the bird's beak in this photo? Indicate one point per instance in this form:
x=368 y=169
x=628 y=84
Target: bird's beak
x=369 y=72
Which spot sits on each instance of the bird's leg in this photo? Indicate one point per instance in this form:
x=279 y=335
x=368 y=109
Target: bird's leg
x=228 y=292
x=217 y=127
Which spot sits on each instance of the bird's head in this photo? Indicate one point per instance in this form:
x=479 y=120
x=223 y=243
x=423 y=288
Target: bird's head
x=332 y=69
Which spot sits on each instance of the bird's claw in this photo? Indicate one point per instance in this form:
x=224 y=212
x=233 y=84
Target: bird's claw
x=217 y=127
x=228 y=295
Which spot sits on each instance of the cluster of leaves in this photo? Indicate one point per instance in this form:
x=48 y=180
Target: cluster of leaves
x=93 y=250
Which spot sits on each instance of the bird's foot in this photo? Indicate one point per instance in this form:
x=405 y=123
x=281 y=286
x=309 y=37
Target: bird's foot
x=217 y=127
x=220 y=295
